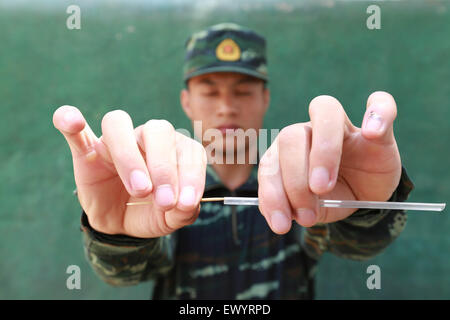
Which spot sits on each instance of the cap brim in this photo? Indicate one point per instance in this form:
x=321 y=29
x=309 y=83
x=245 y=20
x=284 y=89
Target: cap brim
x=226 y=69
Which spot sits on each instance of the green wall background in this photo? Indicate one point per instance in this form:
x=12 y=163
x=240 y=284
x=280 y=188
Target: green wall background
x=130 y=57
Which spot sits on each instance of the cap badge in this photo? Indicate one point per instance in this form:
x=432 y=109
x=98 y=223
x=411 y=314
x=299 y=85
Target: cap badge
x=228 y=50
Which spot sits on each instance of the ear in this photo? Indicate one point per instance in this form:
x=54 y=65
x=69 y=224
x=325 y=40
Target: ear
x=185 y=103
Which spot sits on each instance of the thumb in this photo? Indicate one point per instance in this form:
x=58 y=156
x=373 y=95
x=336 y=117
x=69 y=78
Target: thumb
x=378 y=123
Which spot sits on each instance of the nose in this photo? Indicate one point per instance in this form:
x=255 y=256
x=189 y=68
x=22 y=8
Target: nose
x=227 y=105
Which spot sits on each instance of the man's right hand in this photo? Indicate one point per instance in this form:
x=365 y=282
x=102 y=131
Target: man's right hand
x=151 y=163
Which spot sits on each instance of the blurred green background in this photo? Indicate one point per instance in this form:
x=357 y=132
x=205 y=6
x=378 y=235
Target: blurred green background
x=129 y=55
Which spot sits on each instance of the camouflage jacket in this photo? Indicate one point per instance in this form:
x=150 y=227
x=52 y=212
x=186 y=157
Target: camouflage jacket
x=231 y=253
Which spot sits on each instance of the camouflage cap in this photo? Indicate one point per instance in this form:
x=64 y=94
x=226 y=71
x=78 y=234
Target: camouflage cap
x=226 y=47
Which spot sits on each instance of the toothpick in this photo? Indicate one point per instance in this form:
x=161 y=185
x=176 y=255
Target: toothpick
x=149 y=202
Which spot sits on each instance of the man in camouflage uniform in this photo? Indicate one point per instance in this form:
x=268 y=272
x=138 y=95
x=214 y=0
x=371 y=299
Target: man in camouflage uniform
x=214 y=251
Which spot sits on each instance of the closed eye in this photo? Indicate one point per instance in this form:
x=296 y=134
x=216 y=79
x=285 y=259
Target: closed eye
x=210 y=93
x=243 y=93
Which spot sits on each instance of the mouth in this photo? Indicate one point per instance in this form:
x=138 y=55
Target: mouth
x=229 y=127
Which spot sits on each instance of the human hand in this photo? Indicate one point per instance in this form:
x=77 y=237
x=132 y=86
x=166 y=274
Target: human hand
x=329 y=158
x=150 y=163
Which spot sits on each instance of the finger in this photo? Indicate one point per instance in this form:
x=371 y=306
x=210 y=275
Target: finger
x=294 y=151
x=138 y=133
x=175 y=219
x=328 y=121
x=160 y=147
x=378 y=123
x=273 y=202
x=191 y=158
x=119 y=138
x=79 y=136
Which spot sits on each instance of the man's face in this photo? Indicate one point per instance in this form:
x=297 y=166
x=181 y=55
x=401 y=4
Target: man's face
x=225 y=100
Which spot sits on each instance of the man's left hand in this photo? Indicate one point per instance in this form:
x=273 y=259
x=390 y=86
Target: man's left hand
x=329 y=158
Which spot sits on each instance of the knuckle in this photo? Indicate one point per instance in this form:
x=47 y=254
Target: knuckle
x=192 y=153
x=162 y=171
x=323 y=215
x=190 y=218
x=200 y=151
x=197 y=144
x=324 y=101
x=184 y=142
x=329 y=147
x=266 y=160
x=381 y=94
x=64 y=109
x=159 y=125
x=177 y=220
x=127 y=159
x=295 y=185
x=287 y=133
x=268 y=166
x=204 y=157
x=291 y=135
x=97 y=223
x=164 y=226
x=115 y=116
x=297 y=191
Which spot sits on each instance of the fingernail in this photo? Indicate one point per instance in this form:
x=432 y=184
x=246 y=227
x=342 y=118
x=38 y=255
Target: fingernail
x=164 y=195
x=280 y=223
x=139 y=180
x=306 y=217
x=320 y=178
x=374 y=122
x=187 y=196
